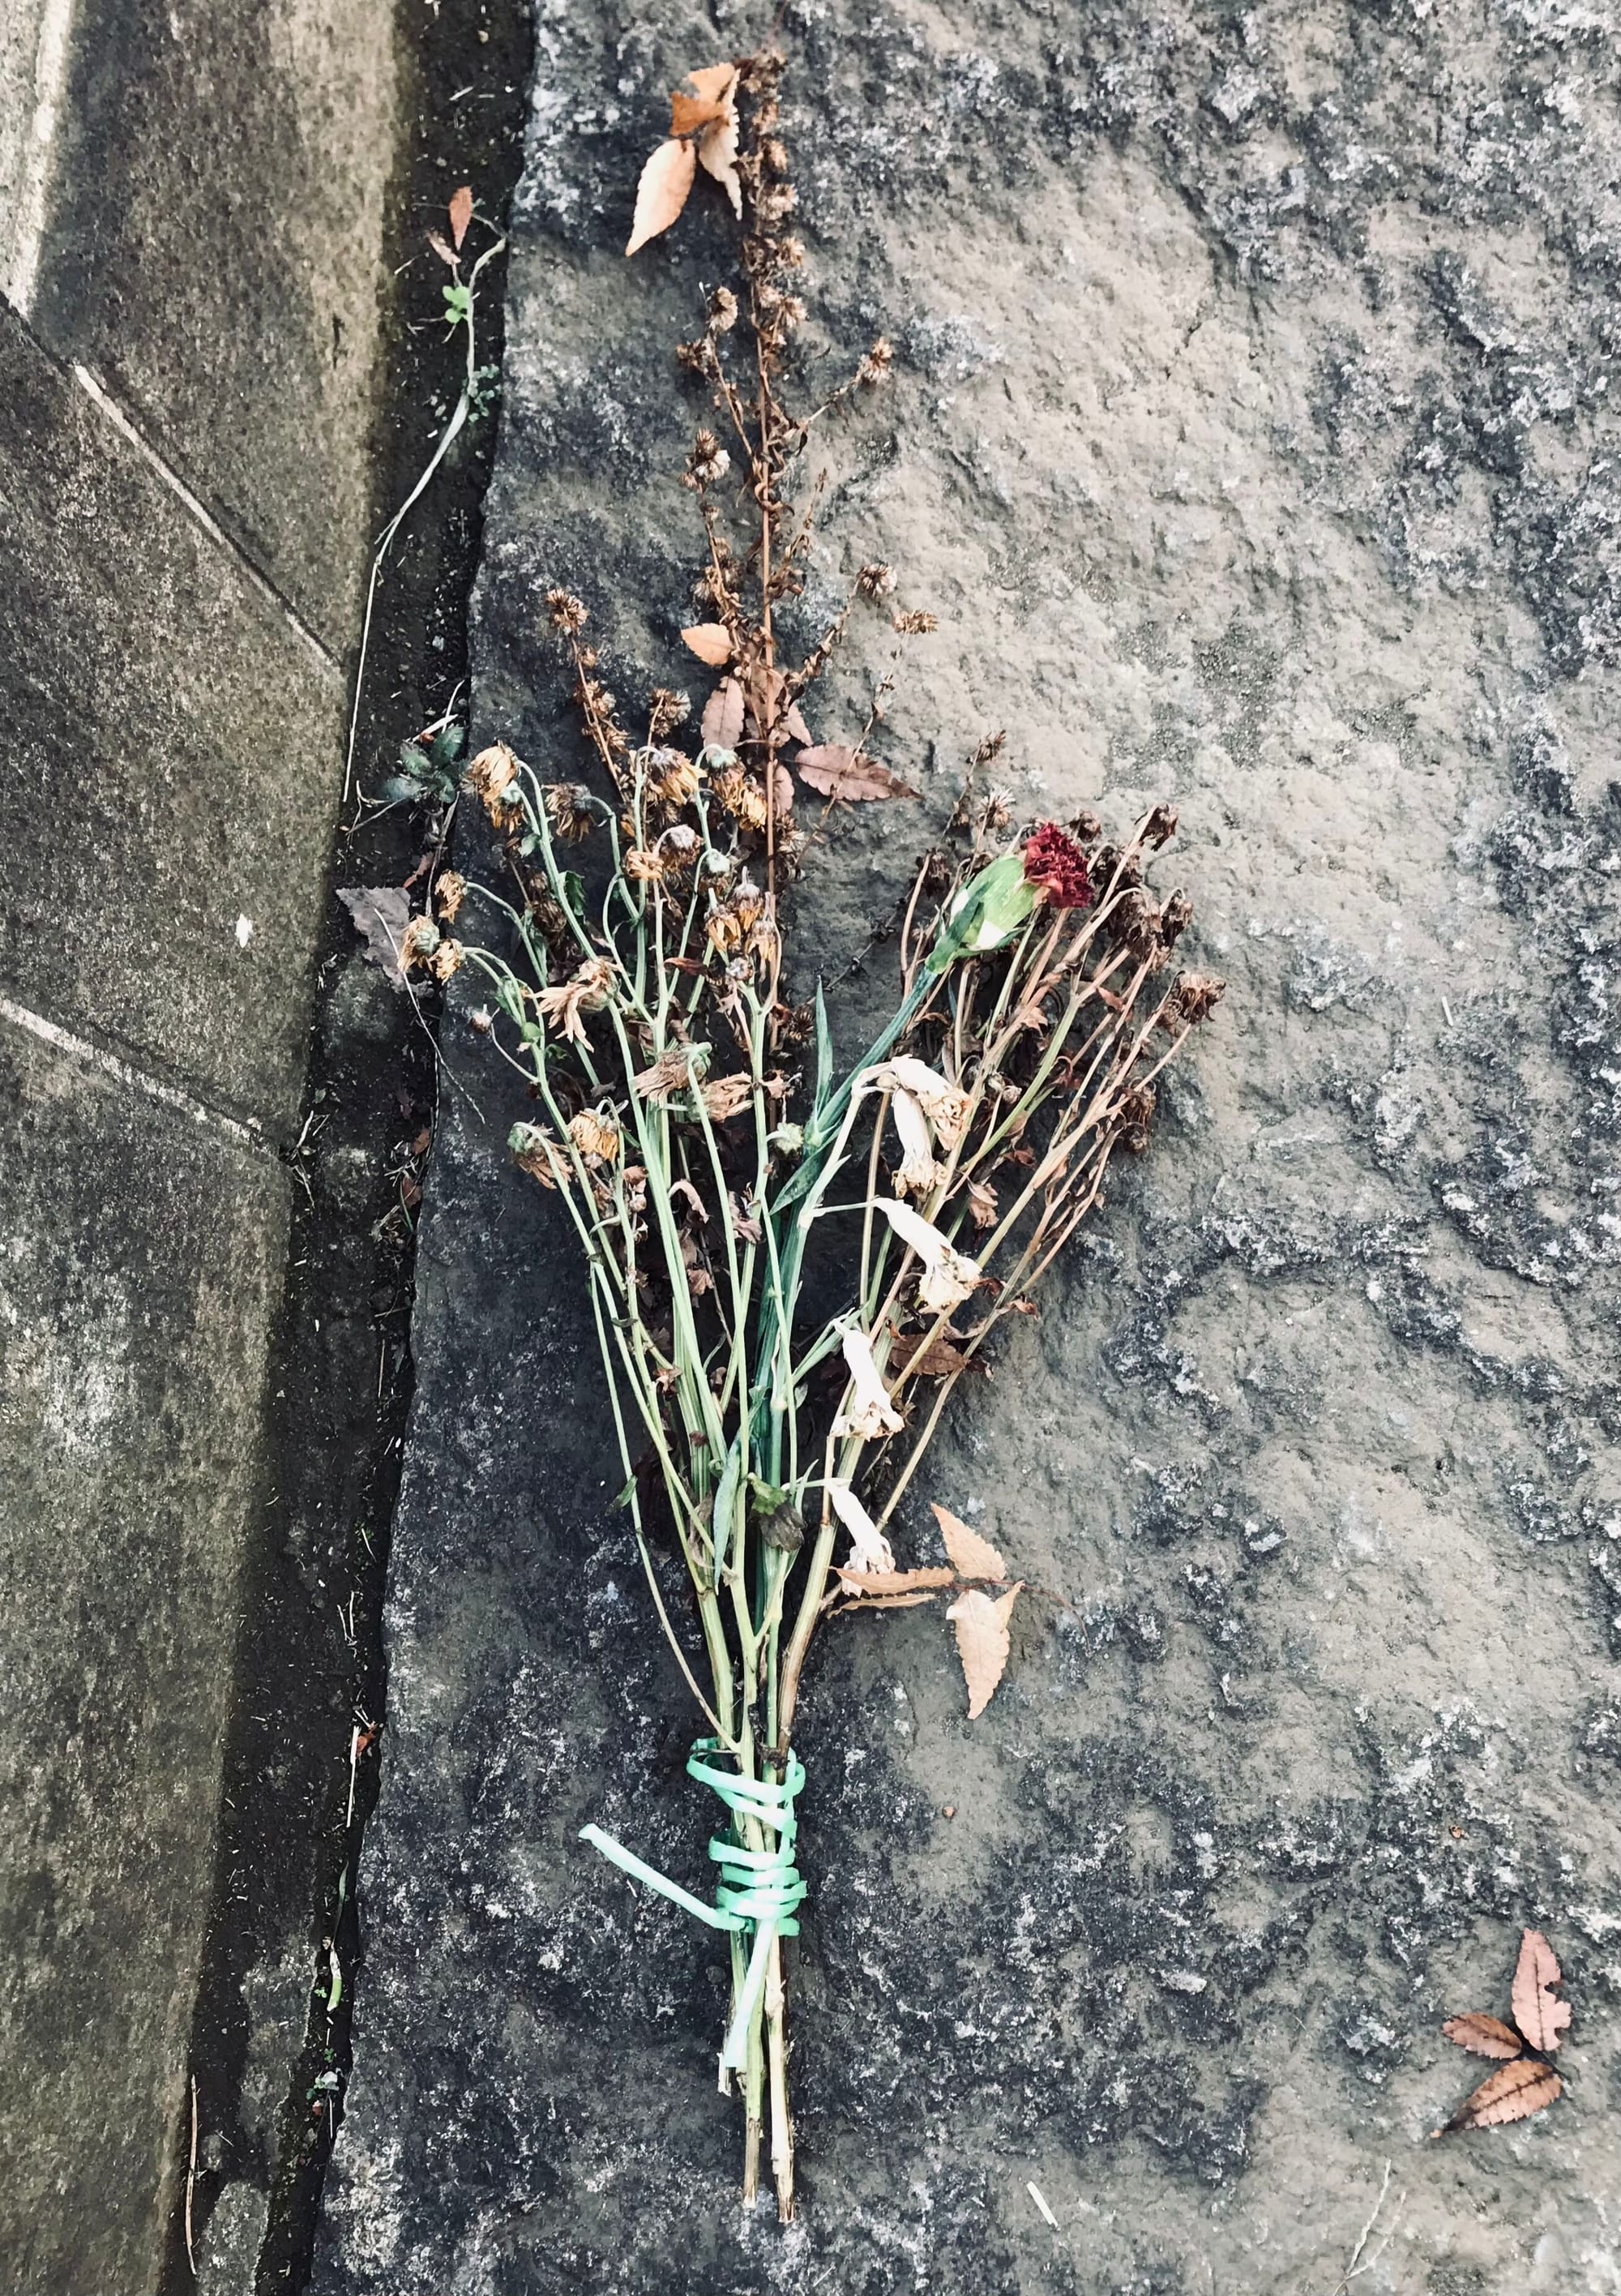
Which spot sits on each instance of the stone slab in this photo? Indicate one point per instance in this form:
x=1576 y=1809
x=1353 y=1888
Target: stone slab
x=211 y=246
x=1250 y=437
x=141 y=1251
x=175 y=761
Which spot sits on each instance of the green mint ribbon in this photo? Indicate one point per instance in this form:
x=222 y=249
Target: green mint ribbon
x=760 y=1890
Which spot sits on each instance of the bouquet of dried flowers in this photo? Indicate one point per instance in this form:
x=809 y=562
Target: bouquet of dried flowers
x=705 y=1143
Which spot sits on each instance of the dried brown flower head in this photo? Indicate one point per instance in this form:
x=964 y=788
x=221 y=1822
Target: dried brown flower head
x=722 y=310
x=679 y=778
x=565 y=610
x=1176 y=917
x=1160 y=825
x=1086 y=825
x=668 y=711
x=914 y=625
x=874 y=368
x=595 y=1133
x=445 y=959
x=1135 y=1114
x=645 y=863
x=449 y=892
x=875 y=580
x=586 y=992
x=569 y=809
x=491 y=776
x=1195 y=995
x=741 y=796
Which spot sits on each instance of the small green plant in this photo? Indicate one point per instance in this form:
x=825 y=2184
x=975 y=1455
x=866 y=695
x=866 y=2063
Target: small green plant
x=430 y=769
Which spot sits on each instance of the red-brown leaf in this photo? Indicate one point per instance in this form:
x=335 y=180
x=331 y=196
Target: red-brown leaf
x=461 y=214
x=833 y=769
x=1538 y=2011
x=934 y=1358
x=1488 y=2036
x=1512 y=2093
x=711 y=642
x=723 y=715
x=662 y=191
x=714 y=88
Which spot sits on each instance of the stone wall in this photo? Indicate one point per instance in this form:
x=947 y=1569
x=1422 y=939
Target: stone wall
x=1251 y=438
x=191 y=207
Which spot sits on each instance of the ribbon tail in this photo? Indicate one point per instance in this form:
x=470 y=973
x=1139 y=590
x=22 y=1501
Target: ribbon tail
x=629 y=1862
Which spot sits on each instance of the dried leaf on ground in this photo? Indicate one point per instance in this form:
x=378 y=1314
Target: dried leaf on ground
x=723 y=715
x=662 y=191
x=461 y=214
x=981 y=1628
x=380 y=915
x=893 y=1582
x=885 y=1603
x=834 y=769
x=1488 y=2036
x=773 y=714
x=1538 y=2011
x=443 y=249
x=1512 y=2093
x=938 y=1359
x=972 y=1557
x=711 y=642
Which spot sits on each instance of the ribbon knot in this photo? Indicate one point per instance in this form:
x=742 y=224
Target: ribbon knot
x=761 y=1889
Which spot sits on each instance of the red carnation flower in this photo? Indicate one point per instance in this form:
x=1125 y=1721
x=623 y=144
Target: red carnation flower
x=1055 y=863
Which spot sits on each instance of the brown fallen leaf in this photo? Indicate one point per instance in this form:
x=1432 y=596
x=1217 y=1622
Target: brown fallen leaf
x=972 y=1557
x=662 y=191
x=981 y=1628
x=714 y=92
x=782 y=789
x=982 y=1203
x=717 y=156
x=894 y=1582
x=938 y=1359
x=833 y=769
x=443 y=249
x=711 y=642
x=380 y=915
x=723 y=715
x=1538 y=2011
x=773 y=714
x=884 y=1603
x=461 y=212
x=1488 y=2036
x=1512 y=2093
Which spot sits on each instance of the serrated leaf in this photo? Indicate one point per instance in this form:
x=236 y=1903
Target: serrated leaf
x=972 y=1557
x=1487 y=2037
x=833 y=769
x=1512 y=2093
x=1538 y=2011
x=380 y=913
x=662 y=191
x=723 y=715
x=981 y=1628
x=893 y=1582
x=711 y=642
x=714 y=90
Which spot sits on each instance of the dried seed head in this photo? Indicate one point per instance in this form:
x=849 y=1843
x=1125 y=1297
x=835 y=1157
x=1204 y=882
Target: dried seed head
x=875 y=581
x=445 y=959
x=681 y=844
x=741 y=796
x=1134 y=1115
x=449 y=892
x=568 y=809
x=1176 y=917
x=566 y=612
x=876 y=366
x=773 y=154
x=708 y=461
x=722 y=310
x=914 y=625
x=1086 y=825
x=1135 y=921
x=1160 y=825
x=669 y=710
x=1196 y=993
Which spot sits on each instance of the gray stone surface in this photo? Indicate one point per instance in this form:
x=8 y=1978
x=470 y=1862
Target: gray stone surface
x=141 y=1253
x=1250 y=437
x=212 y=247
x=175 y=765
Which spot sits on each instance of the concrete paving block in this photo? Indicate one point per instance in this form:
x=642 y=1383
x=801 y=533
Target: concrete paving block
x=173 y=762
x=140 y=1257
x=211 y=247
